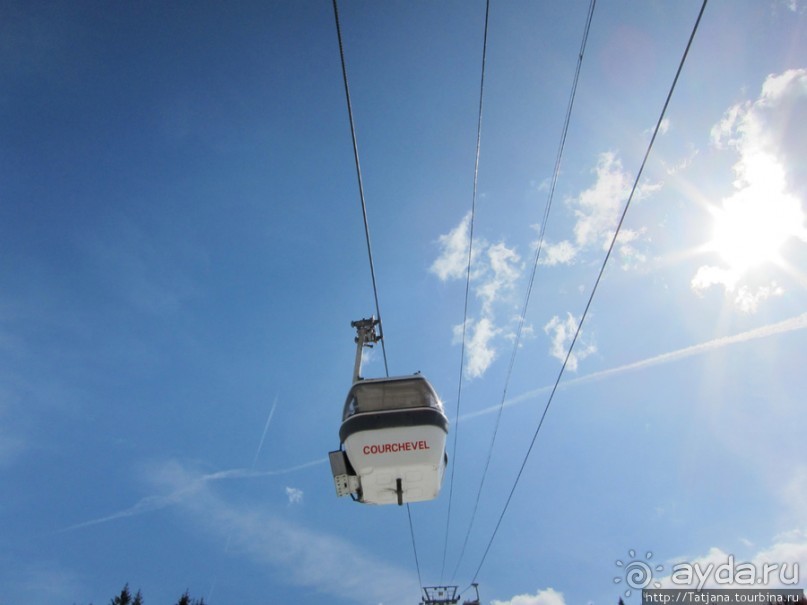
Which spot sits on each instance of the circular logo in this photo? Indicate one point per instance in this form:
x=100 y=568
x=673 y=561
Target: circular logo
x=637 y=573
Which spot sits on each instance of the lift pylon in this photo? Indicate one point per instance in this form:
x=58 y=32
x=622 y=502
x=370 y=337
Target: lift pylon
x=476 y=600
x=440 y=595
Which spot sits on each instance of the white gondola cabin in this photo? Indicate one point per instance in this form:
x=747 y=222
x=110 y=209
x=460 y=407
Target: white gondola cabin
x=393 y=433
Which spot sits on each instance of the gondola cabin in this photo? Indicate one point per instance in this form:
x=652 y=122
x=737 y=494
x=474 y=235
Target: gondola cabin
x=394 y=435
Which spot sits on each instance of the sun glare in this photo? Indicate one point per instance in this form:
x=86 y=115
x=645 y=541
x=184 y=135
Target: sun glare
x=745 y=236
x=752 y=225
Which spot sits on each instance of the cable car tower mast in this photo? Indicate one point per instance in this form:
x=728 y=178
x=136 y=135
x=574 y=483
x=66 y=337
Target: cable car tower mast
x=440 y=595
x=366 y=336
x=446 y=595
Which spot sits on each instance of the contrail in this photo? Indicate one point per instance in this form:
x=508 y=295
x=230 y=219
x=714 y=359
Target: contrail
x=144 y=505
x=252 y=468
x=152 y=503
x=243 y=473
x=265 y=429
x=788 y=325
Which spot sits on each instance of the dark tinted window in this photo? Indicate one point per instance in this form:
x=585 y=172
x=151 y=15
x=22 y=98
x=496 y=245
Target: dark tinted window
x=390 y=395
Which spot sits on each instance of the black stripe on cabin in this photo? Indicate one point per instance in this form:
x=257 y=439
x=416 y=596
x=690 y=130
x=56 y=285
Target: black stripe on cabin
x=372 y=421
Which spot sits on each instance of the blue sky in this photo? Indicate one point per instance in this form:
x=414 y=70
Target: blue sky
x=183 y=252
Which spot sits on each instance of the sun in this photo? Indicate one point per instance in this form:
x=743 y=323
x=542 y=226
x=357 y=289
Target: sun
x=752 y=226
x=746 y=236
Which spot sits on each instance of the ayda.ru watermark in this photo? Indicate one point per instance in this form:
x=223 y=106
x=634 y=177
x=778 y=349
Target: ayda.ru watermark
x=731 y=573
x=640 y=573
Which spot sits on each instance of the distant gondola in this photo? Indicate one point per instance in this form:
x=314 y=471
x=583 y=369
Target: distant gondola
x=393 y=432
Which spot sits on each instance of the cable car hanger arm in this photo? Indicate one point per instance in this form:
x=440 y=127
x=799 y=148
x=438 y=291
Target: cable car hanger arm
x=366 y=336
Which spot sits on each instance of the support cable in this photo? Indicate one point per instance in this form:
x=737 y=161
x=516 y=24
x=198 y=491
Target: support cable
x=523 y=315
x=369 y=247
x=414 y=548
x=467 y=287
x=594 y=289
x=361 y=186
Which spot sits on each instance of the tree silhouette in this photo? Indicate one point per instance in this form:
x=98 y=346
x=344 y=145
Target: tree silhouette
x=125 y=598
x=185 y=599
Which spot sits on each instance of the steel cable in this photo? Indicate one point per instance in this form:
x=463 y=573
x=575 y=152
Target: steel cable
x=361 y=186
x=467 y=287
x=369 y=247
x=594 y=289
x=523 y=314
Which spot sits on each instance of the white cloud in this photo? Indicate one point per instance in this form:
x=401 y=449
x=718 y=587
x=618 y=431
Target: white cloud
x=542 y=186
x=783 y=559
x=597 y=211
x=745 y=297
x=494 y=268
x=680 y=165
x=453 y=260
x=502 y=273
x=322 y=562
x=368 y=357
x=663 y=128
x=479 y=352
x=777 y=87
x=723 y=133
x=748 y=299
x=754 y=222
x=630 y=256
x=495 y=272
x=497 y=268
x=562 y=253
x=527 y=330
x=548 y=596
x=598 y=208
x=709 y=275
x=294 y=495
x=789 y=547
x=798 y=489
x=562 y=332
